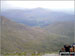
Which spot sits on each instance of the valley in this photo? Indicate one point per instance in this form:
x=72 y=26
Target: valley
x=36 y=30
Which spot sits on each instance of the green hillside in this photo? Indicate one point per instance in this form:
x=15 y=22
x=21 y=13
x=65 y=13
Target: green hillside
x=62 y=28
x=65 y=28
x=17 y=37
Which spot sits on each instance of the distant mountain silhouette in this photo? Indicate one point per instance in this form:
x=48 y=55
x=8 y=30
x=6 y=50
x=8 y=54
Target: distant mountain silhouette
x=37 y=16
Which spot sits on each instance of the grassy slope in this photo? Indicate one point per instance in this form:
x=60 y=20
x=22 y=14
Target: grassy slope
x=19 y=37
x=63 y=28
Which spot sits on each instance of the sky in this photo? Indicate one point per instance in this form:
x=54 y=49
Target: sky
x=53 y=5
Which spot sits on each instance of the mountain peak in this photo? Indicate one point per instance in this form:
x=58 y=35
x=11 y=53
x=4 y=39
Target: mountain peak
x=39 y=8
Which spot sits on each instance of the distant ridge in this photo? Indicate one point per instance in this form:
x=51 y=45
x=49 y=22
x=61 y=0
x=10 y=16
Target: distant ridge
x=37 y=16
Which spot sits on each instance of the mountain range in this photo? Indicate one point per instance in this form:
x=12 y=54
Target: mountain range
x=22 y=34
x=37 y=17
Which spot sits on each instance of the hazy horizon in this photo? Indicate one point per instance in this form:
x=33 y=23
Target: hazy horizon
x=52 y=5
